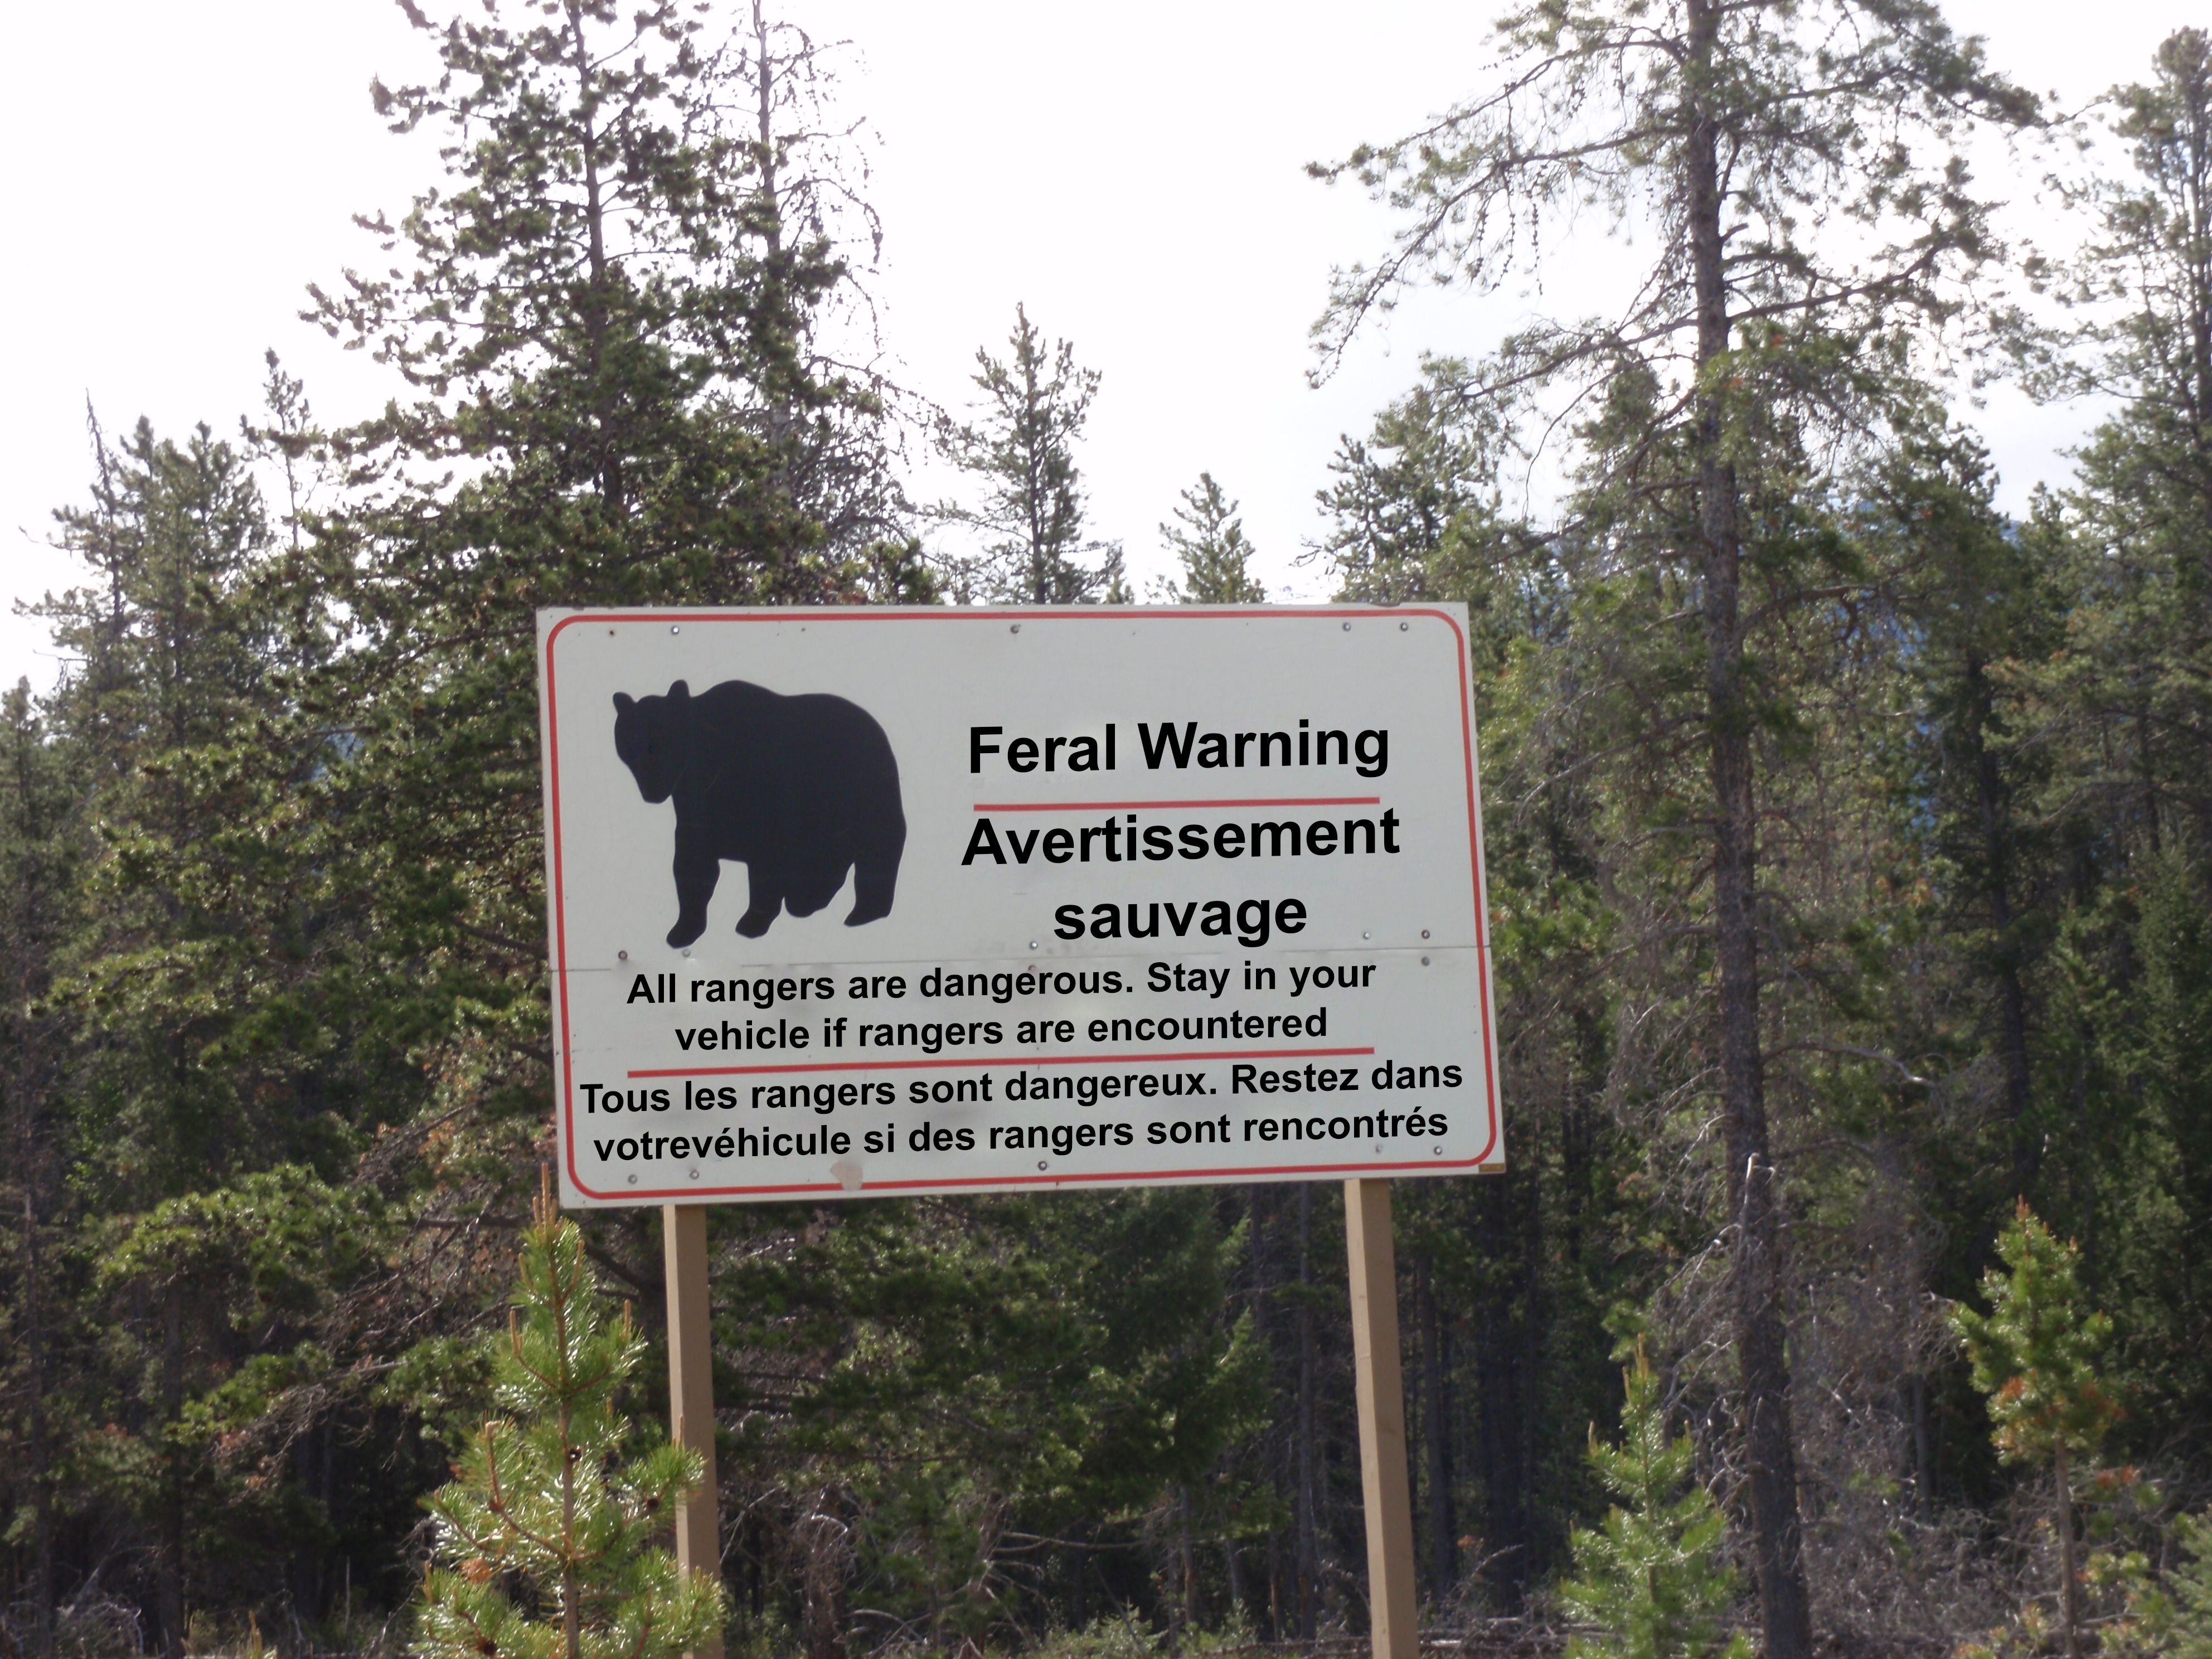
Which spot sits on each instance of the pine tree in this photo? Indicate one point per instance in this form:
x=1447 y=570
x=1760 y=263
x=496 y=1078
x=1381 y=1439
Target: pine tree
x=1798 y=261
x=37 y=882
x=2147 y=472
x=1981 y=597
x=173 y=656
x=2157 y=1173
x=549 y=1540
x=2034 y=1356
x=2189 y=1582
x=1020 y=451
x=1412 y=507
x=1655 y=1575
x=615 y=317
x=2124 y=693
x=805 y=229
x=1091 y=1346
x=1208 y=541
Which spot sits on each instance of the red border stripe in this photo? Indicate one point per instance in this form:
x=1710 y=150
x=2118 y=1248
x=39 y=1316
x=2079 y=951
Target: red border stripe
x=1015 y=1060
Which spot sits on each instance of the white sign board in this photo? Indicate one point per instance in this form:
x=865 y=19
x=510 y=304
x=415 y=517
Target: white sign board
x=846 y=902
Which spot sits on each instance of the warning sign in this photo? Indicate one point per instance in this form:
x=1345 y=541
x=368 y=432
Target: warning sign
x=882 y=901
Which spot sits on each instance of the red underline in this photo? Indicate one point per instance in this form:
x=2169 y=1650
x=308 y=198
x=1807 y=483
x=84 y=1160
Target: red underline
x=1166 y=805
x=992 y=1059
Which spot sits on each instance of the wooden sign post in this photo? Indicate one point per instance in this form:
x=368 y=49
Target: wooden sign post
x=691 y=1390
x=1393 y=1618
x=1393 y=1614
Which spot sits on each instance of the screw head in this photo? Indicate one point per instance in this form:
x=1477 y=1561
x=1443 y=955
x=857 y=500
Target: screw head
x=1016 y=629
x=1425 y=932
x=1347 y=628
x=1402 y=627
x=622 y=955
x=1033 y=944
x=673 y=629
x=1424 y=961
x=695 y=1174
x=633 y=1181
x=1364 y=933
x=1041 y=1164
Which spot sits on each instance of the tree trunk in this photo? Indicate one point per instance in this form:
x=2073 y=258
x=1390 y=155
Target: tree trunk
x=2069 y=1597
x=2195 y=214
x=1232 y=1563
x=1924 y=1456
x=1770 y=1454
x=170 y=1573
x=1498 y=1410
x=610 y=480
x=825 y=1539
x=306 y=1558
x=26 y=980
x=42 y=1496
x=1309 y=1549
x=1187 y=1558
x=1260 y=1206
x=781 y=417
x=1443 y=1554
x=1275 y=1586
x=2012 y=993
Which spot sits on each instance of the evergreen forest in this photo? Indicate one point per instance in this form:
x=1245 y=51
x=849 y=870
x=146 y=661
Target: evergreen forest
x=1850 y=1288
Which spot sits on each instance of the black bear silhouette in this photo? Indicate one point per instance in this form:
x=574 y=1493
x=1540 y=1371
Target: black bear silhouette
x=797 y=789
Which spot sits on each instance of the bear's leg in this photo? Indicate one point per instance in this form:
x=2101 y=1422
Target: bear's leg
x=814 y=891
x=697 y=870
x=763 y=902
x=874 y=881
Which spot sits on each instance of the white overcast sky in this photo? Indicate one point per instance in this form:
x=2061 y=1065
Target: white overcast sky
x=1132 y=173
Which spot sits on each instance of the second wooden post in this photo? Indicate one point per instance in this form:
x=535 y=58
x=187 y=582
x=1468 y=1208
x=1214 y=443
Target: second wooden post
x=1393 y=1614
x=691 y=1390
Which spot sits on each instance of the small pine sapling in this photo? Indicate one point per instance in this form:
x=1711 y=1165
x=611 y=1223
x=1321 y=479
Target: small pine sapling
x=551 y=1539
x=1654 y=1575
x=2190 y=1585
x=2033 y=1355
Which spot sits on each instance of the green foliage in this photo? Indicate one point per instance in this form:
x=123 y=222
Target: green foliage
x=1413 y=507
x=1020 y=450
x=2034 y=1352
x=1208 y=541
x=2130 y=546
x=549 y=1538
x=2190 y=1583
x=272 y=1040
x=1655 y=1575
x=1007 y=1366
x=1760 y=346
x=2034 y=1356
x=293 y=1028
x=611 y=318
x=1122 y=1637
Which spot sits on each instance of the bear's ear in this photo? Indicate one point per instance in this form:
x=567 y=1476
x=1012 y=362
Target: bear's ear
x=624 y=702
x=679 y=692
